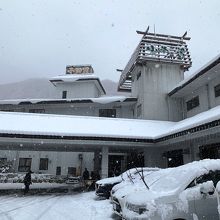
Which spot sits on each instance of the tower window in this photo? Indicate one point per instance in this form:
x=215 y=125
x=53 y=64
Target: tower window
x=217 y=90
x=192 y=103
x=37 y=110
x=110 y=113
x=139 y=110
x=64 y=95
x=138 y=75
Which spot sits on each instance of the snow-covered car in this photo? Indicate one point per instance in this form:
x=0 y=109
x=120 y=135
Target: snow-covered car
x=104 y=186
x=139 y=182
x=184 y=193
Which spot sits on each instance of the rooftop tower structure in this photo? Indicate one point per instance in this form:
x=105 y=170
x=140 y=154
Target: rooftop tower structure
x=154 y=69
x=78 y=82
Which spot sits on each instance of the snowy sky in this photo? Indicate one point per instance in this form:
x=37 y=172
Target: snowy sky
x=40 y=37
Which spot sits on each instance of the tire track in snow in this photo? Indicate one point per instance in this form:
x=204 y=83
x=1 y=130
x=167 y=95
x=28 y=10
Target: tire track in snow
x=26 y=203
x=47 y=208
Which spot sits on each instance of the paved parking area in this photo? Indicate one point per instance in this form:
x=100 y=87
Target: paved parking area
x=77 y=206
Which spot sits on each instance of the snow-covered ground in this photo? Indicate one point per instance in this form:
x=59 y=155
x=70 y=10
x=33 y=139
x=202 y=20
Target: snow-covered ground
x=80 y=206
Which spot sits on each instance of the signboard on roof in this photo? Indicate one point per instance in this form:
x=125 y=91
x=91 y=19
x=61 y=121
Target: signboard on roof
x=79 y=69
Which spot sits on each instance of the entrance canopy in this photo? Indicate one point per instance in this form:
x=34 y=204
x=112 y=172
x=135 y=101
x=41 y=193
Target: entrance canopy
x=72 y=133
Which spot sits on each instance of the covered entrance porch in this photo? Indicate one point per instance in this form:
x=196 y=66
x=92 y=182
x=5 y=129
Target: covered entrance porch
x=110 y=156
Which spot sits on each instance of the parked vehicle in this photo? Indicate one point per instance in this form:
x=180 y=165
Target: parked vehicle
x=138 y=183
x=184 y=193
x=104 y=186
x=73 y=180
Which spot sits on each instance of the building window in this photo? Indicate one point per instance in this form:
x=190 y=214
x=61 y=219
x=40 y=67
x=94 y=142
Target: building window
x=217 y=90
x=58 y=171
x=174 y=158
x=139 y=110
x=110 y=113
x=3 y=161
x=7 y=110
x=72 y=171
x=64 y=94
x=43 y=164
x=192 y=103
x=24 y=164
x=37 y=110
x=138 y=75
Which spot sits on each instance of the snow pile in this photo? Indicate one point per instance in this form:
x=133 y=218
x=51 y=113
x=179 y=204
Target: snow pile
x=109 y=99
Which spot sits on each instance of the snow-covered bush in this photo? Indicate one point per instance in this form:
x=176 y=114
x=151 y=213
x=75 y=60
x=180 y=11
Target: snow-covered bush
x=6 y=166
x=36 y=178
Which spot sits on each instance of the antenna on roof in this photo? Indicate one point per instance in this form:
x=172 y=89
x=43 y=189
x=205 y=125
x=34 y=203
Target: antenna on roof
x=184 y=36
x=119 y=70
x=154 y=30
x=144 y=32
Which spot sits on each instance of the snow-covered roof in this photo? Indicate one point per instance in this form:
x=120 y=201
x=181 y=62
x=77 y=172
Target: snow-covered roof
x=75 y=126
x=73 y=77
x=197 y=120
x=212 y=63
x=70 y=78
x=46 y=124
x=101 y=100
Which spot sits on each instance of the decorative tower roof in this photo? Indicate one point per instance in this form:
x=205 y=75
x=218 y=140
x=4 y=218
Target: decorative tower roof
x=156 y=48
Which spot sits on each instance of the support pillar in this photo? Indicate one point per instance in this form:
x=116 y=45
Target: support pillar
x=104 y=168
x=96 y=160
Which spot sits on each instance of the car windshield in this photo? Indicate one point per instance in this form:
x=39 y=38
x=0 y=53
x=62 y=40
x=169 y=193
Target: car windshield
x=136 y=173
x=170 y=181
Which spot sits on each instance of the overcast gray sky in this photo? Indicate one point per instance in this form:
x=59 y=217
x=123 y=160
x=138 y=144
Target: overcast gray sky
x=39 y=38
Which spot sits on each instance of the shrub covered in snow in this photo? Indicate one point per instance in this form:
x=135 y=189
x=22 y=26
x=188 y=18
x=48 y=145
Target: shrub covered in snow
x=6 y=166
x=36 y=178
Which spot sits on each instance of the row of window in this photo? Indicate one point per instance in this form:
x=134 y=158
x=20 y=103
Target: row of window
x=25 y=165
x=194 y=102
x=110 y=113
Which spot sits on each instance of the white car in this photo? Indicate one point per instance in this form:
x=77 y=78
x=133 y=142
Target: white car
x=104 y=186
x=137 y=184
x=185 y=193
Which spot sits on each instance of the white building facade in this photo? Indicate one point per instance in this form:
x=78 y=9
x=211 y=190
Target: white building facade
x=183 y=113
